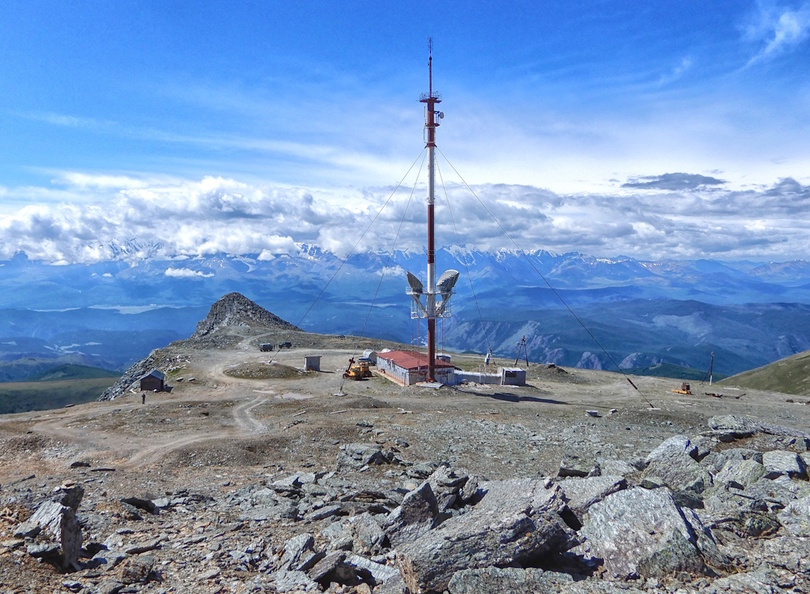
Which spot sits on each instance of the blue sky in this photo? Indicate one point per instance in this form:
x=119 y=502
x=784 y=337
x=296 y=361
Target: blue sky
x=603 y=127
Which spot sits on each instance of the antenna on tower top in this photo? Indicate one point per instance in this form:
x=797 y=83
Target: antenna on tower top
x=430 y=66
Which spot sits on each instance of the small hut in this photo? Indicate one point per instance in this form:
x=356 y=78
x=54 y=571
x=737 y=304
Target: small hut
x=313 y=363
x=153 y=381
x=513 y=376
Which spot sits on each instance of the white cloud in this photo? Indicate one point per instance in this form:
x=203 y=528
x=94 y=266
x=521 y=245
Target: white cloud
x=187 y=273
x=778 y=30
x=183 y=219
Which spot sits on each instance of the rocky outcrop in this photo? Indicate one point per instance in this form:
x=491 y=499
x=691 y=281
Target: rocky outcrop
x=236 y=310
x=371 y=526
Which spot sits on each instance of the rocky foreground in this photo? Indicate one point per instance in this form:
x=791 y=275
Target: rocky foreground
x=726 y=510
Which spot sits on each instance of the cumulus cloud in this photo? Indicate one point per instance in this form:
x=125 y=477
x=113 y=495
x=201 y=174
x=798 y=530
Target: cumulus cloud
x=686 y=216
x=187 y=273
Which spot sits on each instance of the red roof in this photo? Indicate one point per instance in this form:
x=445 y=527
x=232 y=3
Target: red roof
x=411 y=360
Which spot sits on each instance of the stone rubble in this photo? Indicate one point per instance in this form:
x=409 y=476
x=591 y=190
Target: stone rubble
x=725 y=511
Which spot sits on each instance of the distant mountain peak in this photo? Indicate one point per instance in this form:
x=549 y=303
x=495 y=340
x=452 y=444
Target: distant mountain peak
x=236 y=310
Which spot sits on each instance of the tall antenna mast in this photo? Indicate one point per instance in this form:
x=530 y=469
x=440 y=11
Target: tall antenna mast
x=431 y=308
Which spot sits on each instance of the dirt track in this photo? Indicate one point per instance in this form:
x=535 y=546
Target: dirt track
x=298 y=421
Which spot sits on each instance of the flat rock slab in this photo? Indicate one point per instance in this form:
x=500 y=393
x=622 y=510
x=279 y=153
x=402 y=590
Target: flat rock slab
x=638 y=532
x=496 y=580
x=783 y=463
x=679 y=472
x=674 y=446
x=582 y=493
x=414 y=517
x=517 y=521
x=796 y=517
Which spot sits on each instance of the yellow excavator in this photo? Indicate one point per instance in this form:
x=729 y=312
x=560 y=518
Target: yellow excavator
x=357 y=371
x=686 y=389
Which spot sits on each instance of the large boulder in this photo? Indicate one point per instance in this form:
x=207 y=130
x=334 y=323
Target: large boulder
x=414 y=517
x=57 y=522
x=641 y=533
x=517 y=522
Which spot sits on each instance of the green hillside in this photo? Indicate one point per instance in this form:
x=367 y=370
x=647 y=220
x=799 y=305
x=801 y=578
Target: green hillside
x=790 y=375
x=72 y=372
x=674 y=371
x=18 y=397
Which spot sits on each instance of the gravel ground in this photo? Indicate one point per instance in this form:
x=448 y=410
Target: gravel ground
x=249 y=417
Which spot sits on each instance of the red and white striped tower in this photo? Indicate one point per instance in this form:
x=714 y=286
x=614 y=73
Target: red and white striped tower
x=438 y=293
x=430 y=100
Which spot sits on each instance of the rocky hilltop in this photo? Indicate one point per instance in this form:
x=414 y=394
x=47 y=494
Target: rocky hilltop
x=235 y=310
x=229 y=318
x=255 y=475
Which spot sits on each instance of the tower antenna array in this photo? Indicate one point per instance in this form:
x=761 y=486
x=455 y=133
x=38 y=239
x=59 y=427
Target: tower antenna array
x=431 y=308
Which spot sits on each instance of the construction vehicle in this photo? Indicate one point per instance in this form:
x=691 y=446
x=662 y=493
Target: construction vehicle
x=357 y=370
x=686 y=389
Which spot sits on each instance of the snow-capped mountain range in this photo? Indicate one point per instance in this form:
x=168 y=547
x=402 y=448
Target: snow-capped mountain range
x=573 y=309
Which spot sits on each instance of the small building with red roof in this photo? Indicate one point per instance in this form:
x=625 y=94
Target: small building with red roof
x=408 y=367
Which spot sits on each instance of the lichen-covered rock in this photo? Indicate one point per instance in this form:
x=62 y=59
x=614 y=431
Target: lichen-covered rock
x=673 y=447
x=796 y=517
x=678 y=471
x=739 y=475
x=415 y=516
x=515 y=580
x=517 y=521
x=582 y=493
x=731 y=427
x=638 y=532
x=783 y=463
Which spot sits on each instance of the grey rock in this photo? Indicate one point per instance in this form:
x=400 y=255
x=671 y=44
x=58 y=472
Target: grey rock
x=415 y=516
x=326 y=566
x=368 y=536
x=739 y=475
x=783 y=463
x=496 y=580
x=582 y=493
x=716 y=461
x=357 y=455
x=762 y=579
x=59 y=522
x=136 y=570
x=294 y=581
x=420 y=470
x=733 y=427
x=379 y=573
x=299 y=554
x=109 y=586
x=339 y=535
x=322 y=513
x=70 y=495
x=574 y=467
x=470 y=492
x=637 y=532
x=773 y=494
x=679 y=471
x=673 y=447
x=614 y=467
x=517 y=520
x=107 y=558
x=446 y=484
x=796 y=517
x=141 y=503
x=42 y=550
